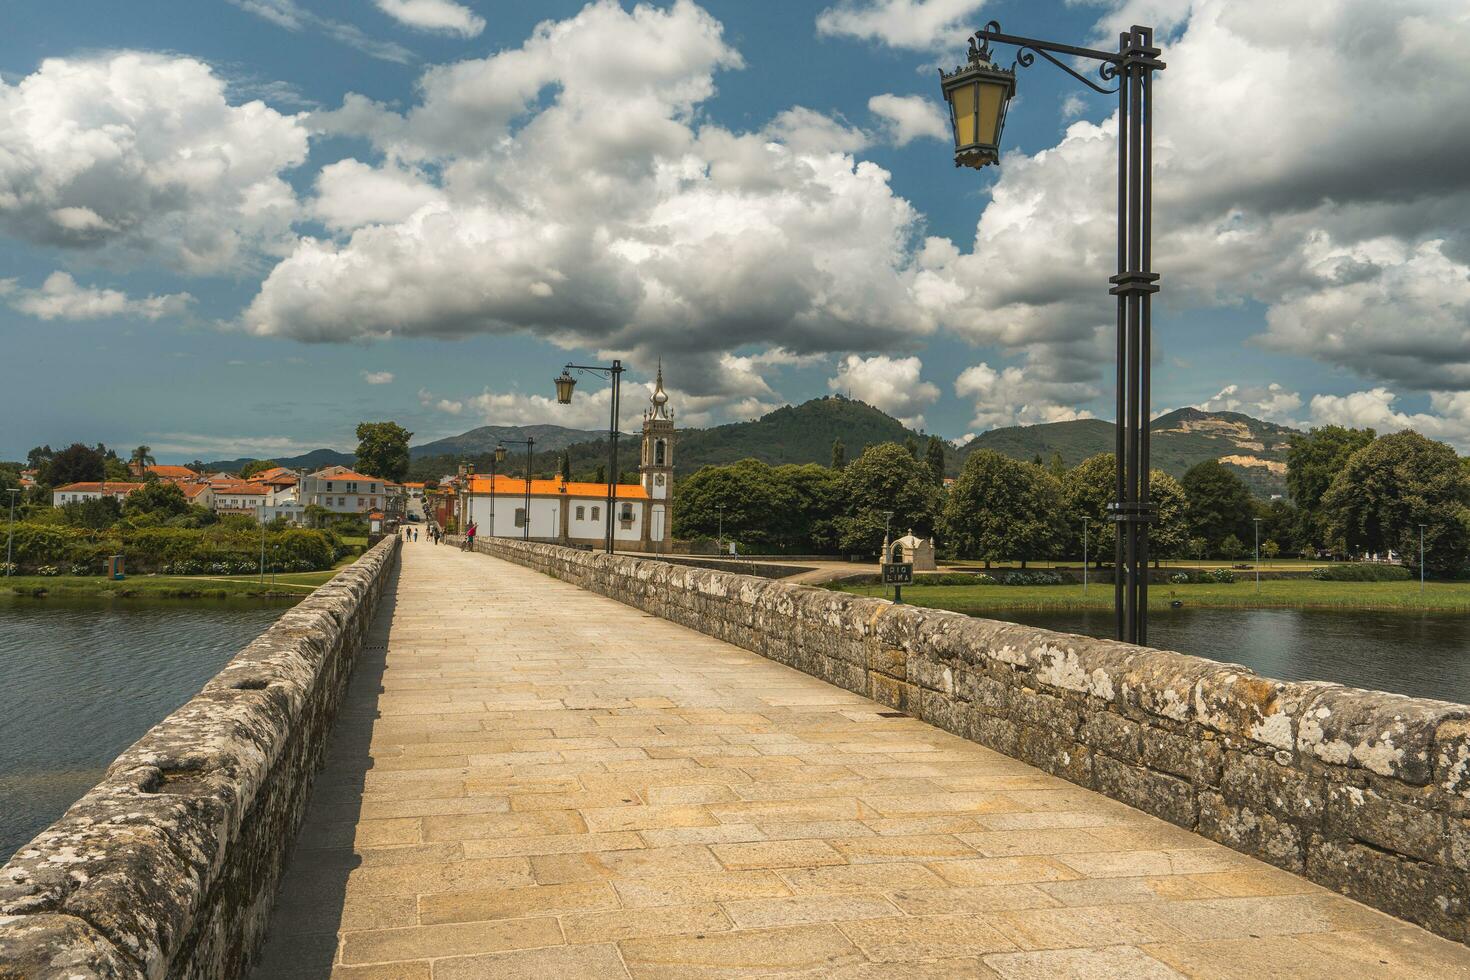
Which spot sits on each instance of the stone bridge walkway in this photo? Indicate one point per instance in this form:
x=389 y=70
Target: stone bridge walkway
x=534 y=781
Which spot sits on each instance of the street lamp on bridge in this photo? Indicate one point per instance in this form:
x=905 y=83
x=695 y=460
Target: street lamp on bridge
x=979 y=93
x=530 y=443
x=564 y=385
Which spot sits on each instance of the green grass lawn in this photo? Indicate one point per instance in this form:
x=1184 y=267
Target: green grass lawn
x=1271 y=565
x=1242 y=594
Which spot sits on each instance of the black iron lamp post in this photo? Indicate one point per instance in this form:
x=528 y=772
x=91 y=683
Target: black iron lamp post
x=530 y=444
x=978 y=94
x=564 y=386
x=496 y=458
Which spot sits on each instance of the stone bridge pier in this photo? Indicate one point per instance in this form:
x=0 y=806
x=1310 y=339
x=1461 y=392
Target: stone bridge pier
x=555 y=763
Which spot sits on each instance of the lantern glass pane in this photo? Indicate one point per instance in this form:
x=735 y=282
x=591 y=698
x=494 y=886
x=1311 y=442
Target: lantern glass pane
x=964 y=114
x=992 y=98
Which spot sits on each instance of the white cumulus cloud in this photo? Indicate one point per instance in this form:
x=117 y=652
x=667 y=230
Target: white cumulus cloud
x=61 y=297
x=917 y=24
x=893 y=384
x=1009 y=397
x=143 y=156
x=910 y=117
x=1271 y=402
x=444 y=16
x=378 y=377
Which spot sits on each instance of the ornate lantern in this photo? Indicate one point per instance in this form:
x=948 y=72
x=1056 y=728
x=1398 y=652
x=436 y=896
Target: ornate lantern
x=564 y=386
x=499 y=454
x=978 y=94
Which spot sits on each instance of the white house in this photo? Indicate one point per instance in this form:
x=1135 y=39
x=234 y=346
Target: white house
x=75 y=493
x=576 y=513
x=343 y=491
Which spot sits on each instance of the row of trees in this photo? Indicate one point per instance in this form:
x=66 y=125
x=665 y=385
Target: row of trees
x=1353 y=493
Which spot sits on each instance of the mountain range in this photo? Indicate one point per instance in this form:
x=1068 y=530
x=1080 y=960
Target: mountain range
x=1254 y=449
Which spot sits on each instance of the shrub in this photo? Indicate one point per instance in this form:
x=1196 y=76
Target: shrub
x=1224 y=576
x=1179 y=578
x=1032 y=578
x=8 y=568
x=48 y=570
x=1362 y=572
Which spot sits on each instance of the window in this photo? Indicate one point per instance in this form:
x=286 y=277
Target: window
x=520 y=517
x=626 y=515
x=581 y=513
x=597 y=513
x=341 y=501
x=658 y=453
x=359 y=503
x=352 y=488
x=329 y=486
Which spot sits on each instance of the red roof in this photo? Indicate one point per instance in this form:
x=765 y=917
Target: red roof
x=346 y=475
x=110 y=487
x=173 y=472
x=508 y=486
x=192 y=490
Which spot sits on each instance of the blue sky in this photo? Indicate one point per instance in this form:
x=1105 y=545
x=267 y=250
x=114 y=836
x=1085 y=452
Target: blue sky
x=446 y=193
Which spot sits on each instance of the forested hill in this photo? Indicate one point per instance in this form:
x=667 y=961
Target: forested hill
x=794 y=434
x=1254 y=449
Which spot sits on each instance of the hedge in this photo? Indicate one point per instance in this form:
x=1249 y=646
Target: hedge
x=210 y=550
x=1362 y=572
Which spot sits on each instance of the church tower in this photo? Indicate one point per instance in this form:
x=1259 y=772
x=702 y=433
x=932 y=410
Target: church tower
x=656 y=467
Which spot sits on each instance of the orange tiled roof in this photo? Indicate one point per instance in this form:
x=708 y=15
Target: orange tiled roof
x=237 y=487
x=509 y=486
x=346 y=475
x=192 y=490
x=111 y=486
x=173 y=472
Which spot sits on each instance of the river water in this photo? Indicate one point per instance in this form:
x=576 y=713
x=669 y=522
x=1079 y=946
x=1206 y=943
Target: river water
x=81 y=680
x=1426 y=655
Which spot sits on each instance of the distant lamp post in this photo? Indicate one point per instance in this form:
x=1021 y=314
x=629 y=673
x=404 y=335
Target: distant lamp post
x=10 y=534
x=496 y=458
x=1085 y=522
x=564 y=385
x=720 y=531
x=530 y=444
x=1421 y=557
x=979 y=94
x=1257 y=522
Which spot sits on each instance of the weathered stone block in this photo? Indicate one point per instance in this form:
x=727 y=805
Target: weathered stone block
x=1269 y=787
x=1032 y=707
x=1055 y=753
x=1153 y=792
x=983 y=690
x=1423 y=893
x=895 y=694
x=1355 y=813
x=1387 y=734
x=930 y=674
x=1110 y=733
x=1198 y=760
x=1252 y=830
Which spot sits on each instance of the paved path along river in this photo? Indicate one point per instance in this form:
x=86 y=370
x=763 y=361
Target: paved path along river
x=529 y=780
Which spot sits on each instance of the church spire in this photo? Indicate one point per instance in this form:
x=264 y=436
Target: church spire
x=660 y=398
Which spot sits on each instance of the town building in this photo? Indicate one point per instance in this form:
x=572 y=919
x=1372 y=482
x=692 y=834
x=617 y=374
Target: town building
x=75 y=493
x=574 y=512
x=238 y=497
x=341 y=490
x=174 y=474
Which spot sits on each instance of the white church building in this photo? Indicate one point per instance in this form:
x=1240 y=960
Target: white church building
x=574 y=513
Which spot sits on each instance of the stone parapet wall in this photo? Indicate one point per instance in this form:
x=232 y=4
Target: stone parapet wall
x=1364 y=792
x=169 y=866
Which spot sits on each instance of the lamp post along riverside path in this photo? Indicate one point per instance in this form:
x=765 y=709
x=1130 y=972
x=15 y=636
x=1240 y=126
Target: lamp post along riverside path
x=564 y=385
x=1085 y=522
x=10 y=532
x=979 y=93
x=496 y=458
x=530 y=443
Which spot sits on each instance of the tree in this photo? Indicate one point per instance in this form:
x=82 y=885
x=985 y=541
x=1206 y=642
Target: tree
x=74 y=464
x=141 y=459
x=911 y=446
x=1232 y=547
x=934 y=455
x=1057 y=467
x=1391 y=486
x=839 y=454
x=1000 y=508
x=884 y=479
x=740 y=501
x=1168 y=536
x=1091 y=485
x=37 y=458
x=1199 y=548
x=1220 y=504
x=1313 y=459
x=382 y=450
x=258 y=466
x=1270 y=549
x=99 y=513
x=160 y=498
x=565 y=469
x=600 y=474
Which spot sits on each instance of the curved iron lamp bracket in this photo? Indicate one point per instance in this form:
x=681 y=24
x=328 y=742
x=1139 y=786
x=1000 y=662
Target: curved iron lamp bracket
x=1028 y=48
x=594 y=369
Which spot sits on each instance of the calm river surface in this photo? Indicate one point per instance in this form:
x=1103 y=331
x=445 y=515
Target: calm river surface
x=81 y=680
x=1420 y=654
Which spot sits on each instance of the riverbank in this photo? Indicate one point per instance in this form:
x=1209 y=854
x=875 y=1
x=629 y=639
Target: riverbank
x=1447 y=597
x=292 y=586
